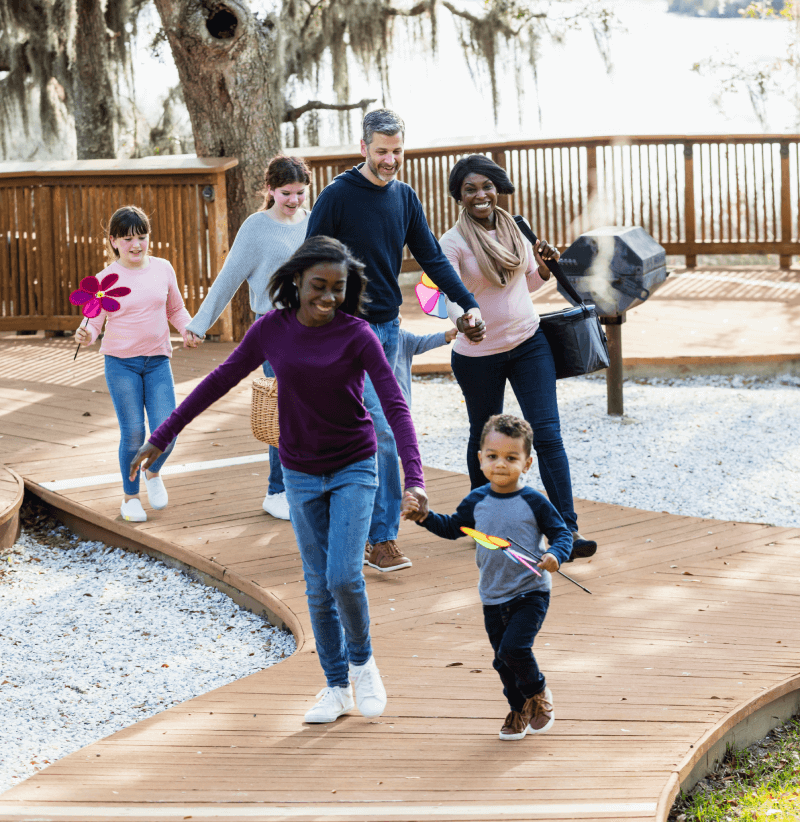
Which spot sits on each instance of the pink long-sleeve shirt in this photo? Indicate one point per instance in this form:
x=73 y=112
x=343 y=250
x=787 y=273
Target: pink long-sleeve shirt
x=140 y=327
x=508 y=312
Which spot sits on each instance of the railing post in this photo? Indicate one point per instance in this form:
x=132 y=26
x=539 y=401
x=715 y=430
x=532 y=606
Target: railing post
x=499 y=157
x=785 y=260
x=218 y=246
x=688 y=205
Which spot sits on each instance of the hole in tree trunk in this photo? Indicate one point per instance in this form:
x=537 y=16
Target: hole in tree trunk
x=221 y=21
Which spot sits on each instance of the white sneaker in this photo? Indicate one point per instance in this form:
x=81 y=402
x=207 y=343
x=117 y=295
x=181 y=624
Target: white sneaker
x=156 y=492
x=277 y=505
x=370 y=693
x=333 y=702
x=132 y=511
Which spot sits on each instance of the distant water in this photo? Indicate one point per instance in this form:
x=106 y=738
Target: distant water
x=651 y=89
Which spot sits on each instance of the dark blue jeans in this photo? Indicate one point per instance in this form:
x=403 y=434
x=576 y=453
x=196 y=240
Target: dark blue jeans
x=530 y=370
x=512 y=627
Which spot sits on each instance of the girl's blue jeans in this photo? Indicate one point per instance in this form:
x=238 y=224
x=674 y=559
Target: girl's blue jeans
x=530 y=369
x=136 y=385
x=386 y=512
x=330 y=516
x=512 y=626
x=276 y=485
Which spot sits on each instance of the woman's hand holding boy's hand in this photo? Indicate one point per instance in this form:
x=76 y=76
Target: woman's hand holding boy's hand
x=145 y=457
x=548 y=563
x=415 y=505
x=82 y=336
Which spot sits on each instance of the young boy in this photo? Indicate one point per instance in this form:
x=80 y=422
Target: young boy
x=409 y=345
x=514 y=598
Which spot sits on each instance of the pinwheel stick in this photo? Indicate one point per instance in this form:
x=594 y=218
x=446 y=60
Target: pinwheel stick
x=79 y=345
x=530 y=553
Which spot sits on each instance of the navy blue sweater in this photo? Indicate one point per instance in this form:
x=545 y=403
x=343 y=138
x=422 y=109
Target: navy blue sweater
x=375 y=222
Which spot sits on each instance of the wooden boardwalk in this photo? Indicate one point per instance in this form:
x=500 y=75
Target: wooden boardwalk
x=692 y=627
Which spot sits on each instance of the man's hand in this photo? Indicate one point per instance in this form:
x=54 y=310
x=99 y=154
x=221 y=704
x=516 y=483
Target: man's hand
x=471 y=325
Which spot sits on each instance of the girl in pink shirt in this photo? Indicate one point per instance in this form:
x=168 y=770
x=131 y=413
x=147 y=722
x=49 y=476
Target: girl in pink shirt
x=137 y=348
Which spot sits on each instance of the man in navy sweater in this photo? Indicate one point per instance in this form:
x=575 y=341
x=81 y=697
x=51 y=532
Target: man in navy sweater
x=376 y=215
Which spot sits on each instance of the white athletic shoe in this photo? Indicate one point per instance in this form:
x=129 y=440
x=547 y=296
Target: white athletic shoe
x=156 y=492
x=333 y=702
x=132 y=511
x=370 y=693
x=277 y=505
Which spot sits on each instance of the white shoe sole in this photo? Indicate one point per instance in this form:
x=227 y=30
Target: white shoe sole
x=329 y=718
x=388 y=570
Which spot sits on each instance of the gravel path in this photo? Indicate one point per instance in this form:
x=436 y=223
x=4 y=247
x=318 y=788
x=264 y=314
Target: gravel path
x=94 y=639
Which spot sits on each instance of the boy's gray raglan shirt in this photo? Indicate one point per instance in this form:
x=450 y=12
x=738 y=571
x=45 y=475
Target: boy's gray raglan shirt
x=525 y=516
x=261 y=246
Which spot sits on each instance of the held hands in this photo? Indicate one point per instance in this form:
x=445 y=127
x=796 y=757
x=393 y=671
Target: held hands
x=145 y=457
x=548 y=563
x=415 y=505
x=190 y=340
x=472 y=326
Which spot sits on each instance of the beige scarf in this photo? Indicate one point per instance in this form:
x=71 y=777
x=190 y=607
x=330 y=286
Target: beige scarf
x=499 y=257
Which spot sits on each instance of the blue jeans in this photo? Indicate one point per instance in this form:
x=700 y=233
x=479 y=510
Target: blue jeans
x=530 y=370
x=137 y=384
x=512 y=626
x=386 y=512
x=330 y=516
x=276 y=485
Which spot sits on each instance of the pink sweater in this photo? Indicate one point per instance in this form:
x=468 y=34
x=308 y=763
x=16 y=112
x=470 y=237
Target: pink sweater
x=139 y=328
x=508 y=312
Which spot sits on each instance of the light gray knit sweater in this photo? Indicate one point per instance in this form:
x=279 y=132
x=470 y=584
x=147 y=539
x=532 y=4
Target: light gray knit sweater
x=261 y=246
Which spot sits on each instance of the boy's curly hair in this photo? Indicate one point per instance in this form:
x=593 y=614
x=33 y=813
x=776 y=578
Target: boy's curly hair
x=510 y=426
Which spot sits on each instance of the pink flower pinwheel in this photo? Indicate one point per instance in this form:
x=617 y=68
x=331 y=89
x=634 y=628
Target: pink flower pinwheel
x=95 y=296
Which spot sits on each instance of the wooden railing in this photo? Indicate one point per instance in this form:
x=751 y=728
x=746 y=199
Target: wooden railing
x=52 y=219
x=732 y=194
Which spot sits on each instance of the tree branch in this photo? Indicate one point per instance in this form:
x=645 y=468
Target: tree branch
x=292 y=114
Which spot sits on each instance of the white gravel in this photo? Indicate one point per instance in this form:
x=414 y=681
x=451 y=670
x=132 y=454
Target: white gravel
x=719 y=447
x=93 y=639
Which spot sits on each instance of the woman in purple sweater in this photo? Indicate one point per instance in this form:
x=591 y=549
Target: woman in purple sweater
x=320 y=353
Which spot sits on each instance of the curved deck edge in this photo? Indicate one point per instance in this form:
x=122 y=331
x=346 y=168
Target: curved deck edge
x=9 y=516
x=84 y=522
x=741 y=727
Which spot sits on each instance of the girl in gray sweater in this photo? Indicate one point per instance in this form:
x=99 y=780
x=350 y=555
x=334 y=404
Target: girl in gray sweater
x=266 y=240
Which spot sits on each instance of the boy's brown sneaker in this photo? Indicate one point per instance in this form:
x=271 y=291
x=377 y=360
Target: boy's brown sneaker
x=515 y=726
x=540 y=713
x=386 y=556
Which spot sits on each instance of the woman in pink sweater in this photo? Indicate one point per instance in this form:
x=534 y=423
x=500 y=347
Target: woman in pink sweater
x=500 y=267
x=137 y=348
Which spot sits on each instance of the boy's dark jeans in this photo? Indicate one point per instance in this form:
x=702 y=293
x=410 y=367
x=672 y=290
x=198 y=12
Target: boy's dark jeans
x=512 y=627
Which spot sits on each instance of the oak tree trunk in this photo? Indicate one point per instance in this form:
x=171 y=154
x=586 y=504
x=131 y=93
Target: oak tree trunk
x=225 y=58
x=95 y=103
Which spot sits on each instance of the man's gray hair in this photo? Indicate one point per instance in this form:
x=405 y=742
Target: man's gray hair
x=383 y=121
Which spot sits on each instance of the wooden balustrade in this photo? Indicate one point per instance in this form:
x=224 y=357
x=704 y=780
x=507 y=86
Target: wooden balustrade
x=728 y=194
x=52 y=219
x=724 y=194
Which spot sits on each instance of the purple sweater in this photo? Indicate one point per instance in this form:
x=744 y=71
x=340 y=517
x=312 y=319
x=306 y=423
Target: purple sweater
x=320 y=371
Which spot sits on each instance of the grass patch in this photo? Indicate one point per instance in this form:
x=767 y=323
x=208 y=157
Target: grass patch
x=761 y=782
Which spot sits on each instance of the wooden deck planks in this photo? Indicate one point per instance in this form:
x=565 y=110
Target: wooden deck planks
x=640 y=670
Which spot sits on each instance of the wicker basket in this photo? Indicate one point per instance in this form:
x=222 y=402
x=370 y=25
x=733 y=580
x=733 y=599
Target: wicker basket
x=264 y=410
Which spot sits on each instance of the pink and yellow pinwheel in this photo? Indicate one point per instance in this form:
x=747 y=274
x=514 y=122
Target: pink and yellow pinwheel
x=96 y=296
x=431 y=300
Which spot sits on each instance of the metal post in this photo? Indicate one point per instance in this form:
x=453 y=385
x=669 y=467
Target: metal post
x=614 y=371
